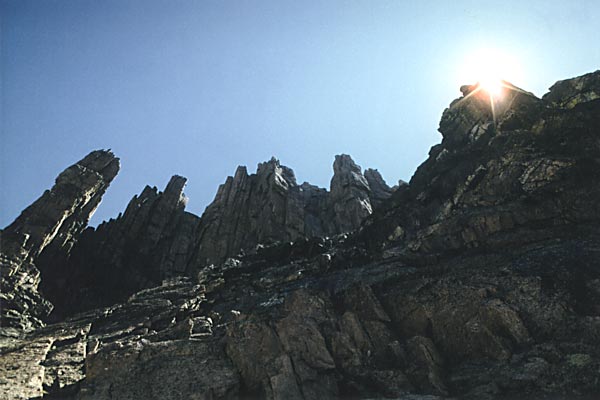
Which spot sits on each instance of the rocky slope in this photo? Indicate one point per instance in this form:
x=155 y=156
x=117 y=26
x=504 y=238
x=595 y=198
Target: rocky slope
x=477 y=280
x=51 y=224
x=155 y=238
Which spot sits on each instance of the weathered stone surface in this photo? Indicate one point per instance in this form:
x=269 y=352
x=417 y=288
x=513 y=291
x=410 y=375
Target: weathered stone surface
x=426 y=364
x=571 y=92
x=264 y=207
x=156 y=239
x=151 y=241
x=128 y=351
x=269 y=206
x=21 y=370
x=477 y=280
x=51 y=224
x=349 y=194
x=175 y=369
x=380 y=191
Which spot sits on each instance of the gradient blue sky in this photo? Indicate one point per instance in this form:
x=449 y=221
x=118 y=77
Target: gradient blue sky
x=197 y=87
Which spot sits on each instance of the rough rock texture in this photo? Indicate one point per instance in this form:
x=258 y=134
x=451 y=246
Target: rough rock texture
x=264 y=207
x=349 y=194
x=155 y=238
x=151 y=241
x=270 y=206
x=478 y=280
x=380 y=191
x=157 y=334
x=52 y=224
x=570 y=92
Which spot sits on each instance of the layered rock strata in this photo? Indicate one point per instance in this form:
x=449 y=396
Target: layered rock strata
x=52 y=223
x=477 y=280
x=270 y=206
x=151 y=241
x=155 y=238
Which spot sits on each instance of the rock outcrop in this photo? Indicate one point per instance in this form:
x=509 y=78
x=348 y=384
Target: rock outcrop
x=529 y=171
x=571 y=92
x=155 y=238
x=51 y=224
x=151 y=241
x=350 y=193
x=264 y=207
x=269 y=207
x=477 y=280
x=380 y=191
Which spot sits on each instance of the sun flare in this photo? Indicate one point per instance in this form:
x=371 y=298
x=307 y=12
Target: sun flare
x=489 y=68
x=493 y=86
x=492 y=71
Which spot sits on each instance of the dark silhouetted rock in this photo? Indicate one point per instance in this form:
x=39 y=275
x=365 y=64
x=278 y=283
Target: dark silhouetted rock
x=480 y=279
x=570 y=92
x=380 y=191
x=156 y=239
x=151 y=241
x=52 y=223
x=269 y=206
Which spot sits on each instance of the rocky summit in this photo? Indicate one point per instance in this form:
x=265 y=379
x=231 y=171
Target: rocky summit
x=479 y=279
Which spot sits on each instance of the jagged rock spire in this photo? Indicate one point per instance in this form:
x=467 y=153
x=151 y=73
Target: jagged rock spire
x=54 y=220
x=151 y=241
x=350 y=192
x=479 y=279
x=270 y=206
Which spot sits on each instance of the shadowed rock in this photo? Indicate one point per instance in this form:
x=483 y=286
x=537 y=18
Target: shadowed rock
x=269 y=207
x=51 y=223
x=156 y=238
x=570 y=92
x=478 y=280
x=151 y=241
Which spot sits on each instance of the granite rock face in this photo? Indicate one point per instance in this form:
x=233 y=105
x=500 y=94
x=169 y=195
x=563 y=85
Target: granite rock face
x=477 y=280
x=155 y=238
x=158 y=334
x=380 y=191
x=530 y=171
x=151 y=241
x=264 y=207
x=350 y=192
x=269 y=207
x=51 y=224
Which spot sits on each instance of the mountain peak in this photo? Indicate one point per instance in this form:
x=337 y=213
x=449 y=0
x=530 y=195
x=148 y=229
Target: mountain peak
x=478 y=279
x=478 y=113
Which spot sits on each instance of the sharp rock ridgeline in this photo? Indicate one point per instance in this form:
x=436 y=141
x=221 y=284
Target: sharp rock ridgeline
x=479 y=279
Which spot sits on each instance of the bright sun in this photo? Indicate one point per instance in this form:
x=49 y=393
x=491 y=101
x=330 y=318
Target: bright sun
x=494 y=71
x=492 y=85
x=490 y=67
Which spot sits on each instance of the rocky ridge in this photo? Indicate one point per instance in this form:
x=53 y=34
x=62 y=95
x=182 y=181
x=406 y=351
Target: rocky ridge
x=51 y=224
x=270 y=206
x=477 y=280
x=156 y=239
x=149 y=242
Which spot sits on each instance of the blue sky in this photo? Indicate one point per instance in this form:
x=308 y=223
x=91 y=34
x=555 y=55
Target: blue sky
x=198 y=87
